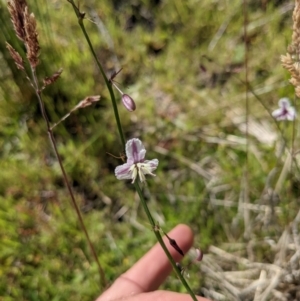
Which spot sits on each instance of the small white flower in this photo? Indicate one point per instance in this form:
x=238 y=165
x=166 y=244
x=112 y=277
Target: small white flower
x=136 y=164
x=285 y=111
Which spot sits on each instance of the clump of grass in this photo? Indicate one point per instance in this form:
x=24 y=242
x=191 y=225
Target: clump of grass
x=190 y=107
x=26 y=30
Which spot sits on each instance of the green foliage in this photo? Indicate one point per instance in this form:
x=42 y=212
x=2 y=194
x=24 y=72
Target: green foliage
x=183 y=63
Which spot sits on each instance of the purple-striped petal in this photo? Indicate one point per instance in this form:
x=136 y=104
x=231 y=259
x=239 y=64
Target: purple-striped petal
x=135 y=150
x=123 y=172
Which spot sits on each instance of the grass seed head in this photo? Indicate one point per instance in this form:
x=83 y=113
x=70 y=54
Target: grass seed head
x=89 y=100
x=16 y=9
x=16 y=56
x=31 y=39
x=53 y=78
x=291 y=61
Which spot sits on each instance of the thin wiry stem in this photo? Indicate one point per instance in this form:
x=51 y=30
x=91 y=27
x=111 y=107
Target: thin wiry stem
x=80 y=17
x=247 y=109
x=294 y=161
x=61 y=120
x=53 y=142
x=161 y=242
x=291 y=151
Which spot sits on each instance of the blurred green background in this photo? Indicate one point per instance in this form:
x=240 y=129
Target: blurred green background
x=184 y=65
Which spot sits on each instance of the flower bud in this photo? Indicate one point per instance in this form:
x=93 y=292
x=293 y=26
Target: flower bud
x=128 y=102
x=199 y=255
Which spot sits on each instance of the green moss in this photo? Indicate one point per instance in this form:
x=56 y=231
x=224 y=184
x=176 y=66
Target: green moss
x=183 y=63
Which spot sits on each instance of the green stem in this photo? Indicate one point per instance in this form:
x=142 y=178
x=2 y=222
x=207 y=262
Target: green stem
x=80 y=17
x=161 y=242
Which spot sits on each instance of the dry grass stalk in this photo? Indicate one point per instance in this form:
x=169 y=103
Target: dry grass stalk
x=16 y=9
x=291 y=61
x=259 y=288
x=53 y=78
x=31 y=40
x=237 y=278
x=26 y=30
x=25 y=27
x=89 y=100
x=16 y=56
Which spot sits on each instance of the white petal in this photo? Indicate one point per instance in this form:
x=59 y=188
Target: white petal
x=151 y=164
x=278 y=114
x=147 y=167
x=142 y=175
x=291 y=115
x=134 y=174
x=284 y=102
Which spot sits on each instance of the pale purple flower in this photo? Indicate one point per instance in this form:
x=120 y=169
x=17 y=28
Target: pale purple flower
x=136 y=164
x=285 y=111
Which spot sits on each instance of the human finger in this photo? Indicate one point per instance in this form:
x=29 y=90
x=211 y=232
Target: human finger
x=152 y=269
